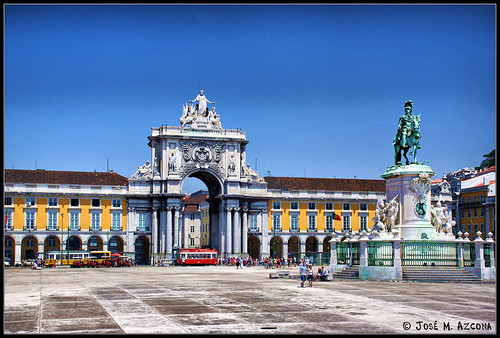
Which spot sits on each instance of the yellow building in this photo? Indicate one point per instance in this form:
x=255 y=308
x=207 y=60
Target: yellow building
x=63 y=210
x=304 y=212
x=477 y=204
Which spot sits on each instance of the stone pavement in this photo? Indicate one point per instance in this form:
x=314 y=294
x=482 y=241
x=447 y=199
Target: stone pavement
x=223 y=300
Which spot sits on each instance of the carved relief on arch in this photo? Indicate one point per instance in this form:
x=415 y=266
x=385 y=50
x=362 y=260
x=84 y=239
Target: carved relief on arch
x=201 y=155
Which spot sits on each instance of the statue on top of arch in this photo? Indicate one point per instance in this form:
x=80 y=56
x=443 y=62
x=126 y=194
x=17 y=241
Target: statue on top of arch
x=200 y=116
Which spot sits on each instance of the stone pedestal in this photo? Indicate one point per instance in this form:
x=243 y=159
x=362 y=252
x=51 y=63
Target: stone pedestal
x=412 y=184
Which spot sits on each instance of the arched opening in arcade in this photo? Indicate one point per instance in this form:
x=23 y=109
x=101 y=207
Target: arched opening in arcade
x=52 y=243
x=29 y=248
x=294 y=247
x=253 y=246
x=115 y=244
x=276 y=247
x=94 y=243
x=201 y=227
x=141 y=246
x=325 y=256
x=10 y=248
x=74 y=243
x=312 y=248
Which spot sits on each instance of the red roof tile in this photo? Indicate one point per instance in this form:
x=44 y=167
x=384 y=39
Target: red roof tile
x=64 y=177
x=324 y=184
x=196 y=200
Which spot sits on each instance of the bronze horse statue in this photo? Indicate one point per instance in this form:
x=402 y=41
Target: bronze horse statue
x=408 y=137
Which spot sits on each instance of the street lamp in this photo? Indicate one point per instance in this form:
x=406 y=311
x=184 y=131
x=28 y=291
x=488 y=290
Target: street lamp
x=62 y=235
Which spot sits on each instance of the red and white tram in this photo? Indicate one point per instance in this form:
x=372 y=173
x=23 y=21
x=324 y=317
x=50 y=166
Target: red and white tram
x=198 y=256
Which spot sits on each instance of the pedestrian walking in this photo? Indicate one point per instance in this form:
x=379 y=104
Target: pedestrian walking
x=310 y=275
x=303 y=274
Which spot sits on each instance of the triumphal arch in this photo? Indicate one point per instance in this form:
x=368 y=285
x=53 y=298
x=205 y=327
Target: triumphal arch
x=200 y=147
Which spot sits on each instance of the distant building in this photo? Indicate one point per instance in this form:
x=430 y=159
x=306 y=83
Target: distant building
x=192 y=217
x=477 y=203
x=301 y=217
x=64 y=210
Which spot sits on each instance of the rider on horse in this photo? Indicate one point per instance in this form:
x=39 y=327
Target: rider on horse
x=408 y=134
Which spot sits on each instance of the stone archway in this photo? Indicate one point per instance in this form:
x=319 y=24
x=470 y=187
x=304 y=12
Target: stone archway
x=10 y=248
x=276 y=246
x=94 y=243
x=253 y=247
x=74 y=243
x=294 y=247
x=141 y=246
x=202 y=149
x=52 y=243
x=29 y=247
x=115 y=244
x=214 y=186
x=311 y=245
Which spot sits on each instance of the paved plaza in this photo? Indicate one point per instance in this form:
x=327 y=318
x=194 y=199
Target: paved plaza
x=222 y=300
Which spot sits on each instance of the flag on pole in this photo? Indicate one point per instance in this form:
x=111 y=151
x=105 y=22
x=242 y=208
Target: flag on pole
x=6 y=218
x=336 y=217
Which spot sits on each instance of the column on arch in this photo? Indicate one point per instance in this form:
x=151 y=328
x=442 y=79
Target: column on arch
x=244 y=232
x=163 y=230
x=154 y=231
x=237 y=232
x=222 y=231
x=169 y=231
x=264 y=229
x=176 y=227
x=229 y=240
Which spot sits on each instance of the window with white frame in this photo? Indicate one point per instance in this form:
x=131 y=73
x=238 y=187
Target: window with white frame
x=191 y=229
x=30 y=220
x=346 y=223
x=52 y=202
x=74 y=220
x=346 y=206
x=253 y=222
x=363 y=223
x=191 y=241
x=363 y=207
x=294 y=206
x=95 y=221
x=329 y=223
x=142 y=221
x=30 y=201
x=96 y=203
x=116 y=203
x=311 y=225
x=311 y=206
x=329 y=206
x=116 y=221
x=8 y=201
x=74 y=202
x=276 y=205
x=52 y=220
x=277 y=222
x=8 y=220
x=294 y=223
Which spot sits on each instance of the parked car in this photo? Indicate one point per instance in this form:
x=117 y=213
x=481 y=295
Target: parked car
x=6 y=262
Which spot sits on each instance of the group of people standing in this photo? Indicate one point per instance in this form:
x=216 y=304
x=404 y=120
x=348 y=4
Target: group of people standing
x=307 y=274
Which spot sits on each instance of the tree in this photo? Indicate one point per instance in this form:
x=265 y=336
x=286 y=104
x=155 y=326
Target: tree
x=489 y=160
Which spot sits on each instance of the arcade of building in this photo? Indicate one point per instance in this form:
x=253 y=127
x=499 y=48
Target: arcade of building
x=142 y=216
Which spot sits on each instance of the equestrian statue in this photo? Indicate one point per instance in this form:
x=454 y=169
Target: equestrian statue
x=408 y=135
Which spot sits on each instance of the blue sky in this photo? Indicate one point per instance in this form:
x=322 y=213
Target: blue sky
x=318 y=89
